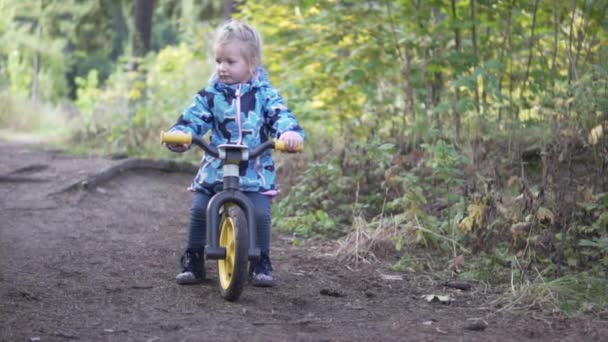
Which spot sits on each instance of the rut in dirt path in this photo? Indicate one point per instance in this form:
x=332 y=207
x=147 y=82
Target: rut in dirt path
x=100 y=265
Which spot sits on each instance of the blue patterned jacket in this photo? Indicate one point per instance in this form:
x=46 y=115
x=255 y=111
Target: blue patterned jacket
x=248 y=113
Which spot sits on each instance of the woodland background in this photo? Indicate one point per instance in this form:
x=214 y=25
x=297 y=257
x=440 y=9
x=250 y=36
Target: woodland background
x=459 y=137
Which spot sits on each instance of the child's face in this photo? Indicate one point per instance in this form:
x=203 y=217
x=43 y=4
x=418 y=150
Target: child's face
x=232 y=67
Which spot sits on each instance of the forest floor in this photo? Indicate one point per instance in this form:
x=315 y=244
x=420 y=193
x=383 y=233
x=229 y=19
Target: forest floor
x=100 y=265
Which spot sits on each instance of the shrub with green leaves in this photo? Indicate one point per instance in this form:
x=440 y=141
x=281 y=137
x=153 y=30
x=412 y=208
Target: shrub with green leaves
x=329 y=191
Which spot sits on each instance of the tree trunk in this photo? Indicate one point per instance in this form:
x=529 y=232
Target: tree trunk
x=571 y=70
x=475 y=53
x=513 y=109
x=456 y=99
x=555 y=46
x=484 y=78
x=36 y=71
x=502 y=57
x=144 y=10
x=120 y=25
x=229 y=7
x=409 y=89
x=530 y=47
x=35 y=78
x=428 y=82
x=582 y=32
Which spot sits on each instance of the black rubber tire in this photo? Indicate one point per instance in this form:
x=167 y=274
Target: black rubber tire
x=231 y=285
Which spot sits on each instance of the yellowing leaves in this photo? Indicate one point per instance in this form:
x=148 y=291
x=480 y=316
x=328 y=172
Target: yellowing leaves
x=544 y=215
x=313 y=10
x=134 y=94
x=595 y=135
x=173 y=59
x=347 y=41
x=312 y=67
x=474 y=217
x=324 y=96
x=287 y=25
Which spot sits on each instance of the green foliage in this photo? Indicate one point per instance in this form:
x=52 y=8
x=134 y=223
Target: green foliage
x=445 y=162
x=321 y=202
x=19 y=74
x=128 y=112
x=88 y=96
x=409 y=211
x=35 y=32
x=591 y=234
x=311 y=207
x=572 y=294
x=493 y=267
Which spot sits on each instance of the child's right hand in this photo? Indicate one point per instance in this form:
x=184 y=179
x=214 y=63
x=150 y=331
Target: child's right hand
x=178 y=148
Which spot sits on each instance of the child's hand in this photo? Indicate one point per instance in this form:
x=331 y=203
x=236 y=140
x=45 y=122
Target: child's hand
x=292 y=140
x=178 y=148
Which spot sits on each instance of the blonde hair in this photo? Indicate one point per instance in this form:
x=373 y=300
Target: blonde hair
x=248 y=37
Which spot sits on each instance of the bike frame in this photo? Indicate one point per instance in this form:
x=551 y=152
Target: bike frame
x=232 y=155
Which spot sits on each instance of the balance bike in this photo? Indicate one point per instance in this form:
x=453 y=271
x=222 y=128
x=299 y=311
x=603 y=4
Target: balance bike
x=231 y=226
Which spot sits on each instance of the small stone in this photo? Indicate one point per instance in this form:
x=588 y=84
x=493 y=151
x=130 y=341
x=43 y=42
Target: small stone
x=478 y=325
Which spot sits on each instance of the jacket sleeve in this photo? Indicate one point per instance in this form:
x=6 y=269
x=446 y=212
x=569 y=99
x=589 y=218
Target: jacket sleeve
x=197 y=119
x=278 y=117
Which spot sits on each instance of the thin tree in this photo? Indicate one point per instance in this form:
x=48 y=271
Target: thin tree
x=456 y=99
x=229 y=8
x=530 y=47
x=475 y=53
x=555 y=46
x=142 y=20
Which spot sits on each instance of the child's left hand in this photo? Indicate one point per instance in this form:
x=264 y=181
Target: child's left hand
x=292 y=140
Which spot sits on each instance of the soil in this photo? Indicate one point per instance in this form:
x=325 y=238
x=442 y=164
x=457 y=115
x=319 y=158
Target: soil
x=100 y=264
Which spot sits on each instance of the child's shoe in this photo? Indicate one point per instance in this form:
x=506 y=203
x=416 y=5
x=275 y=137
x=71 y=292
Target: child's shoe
x=193 y=263
x=260 y=271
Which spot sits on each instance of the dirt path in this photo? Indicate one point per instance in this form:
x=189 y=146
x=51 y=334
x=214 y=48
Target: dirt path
x=100 y=265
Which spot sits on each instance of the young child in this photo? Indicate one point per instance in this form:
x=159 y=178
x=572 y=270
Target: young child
x=239 y=106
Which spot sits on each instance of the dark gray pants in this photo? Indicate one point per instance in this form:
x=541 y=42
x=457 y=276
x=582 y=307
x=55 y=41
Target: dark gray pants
x=197 y=229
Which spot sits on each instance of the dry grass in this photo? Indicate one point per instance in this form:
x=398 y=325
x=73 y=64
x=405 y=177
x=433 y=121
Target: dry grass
x=570 y=295
x=368 y=242
x=24 y=120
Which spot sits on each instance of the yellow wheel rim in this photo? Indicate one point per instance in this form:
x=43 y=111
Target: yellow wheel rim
x=226 y=266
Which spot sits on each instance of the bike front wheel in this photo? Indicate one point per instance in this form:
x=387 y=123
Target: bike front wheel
x=232 y=270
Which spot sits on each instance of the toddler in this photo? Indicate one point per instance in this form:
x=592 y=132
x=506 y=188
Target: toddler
x=239 y=106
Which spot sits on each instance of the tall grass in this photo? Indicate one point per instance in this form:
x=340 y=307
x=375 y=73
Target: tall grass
x=570 y=295
x=21 y=119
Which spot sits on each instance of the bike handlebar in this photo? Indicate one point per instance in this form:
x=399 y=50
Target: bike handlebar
x=180 y=138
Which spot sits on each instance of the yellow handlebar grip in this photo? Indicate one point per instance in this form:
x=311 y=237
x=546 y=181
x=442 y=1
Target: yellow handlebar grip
x=279 y=145
x=175 y=138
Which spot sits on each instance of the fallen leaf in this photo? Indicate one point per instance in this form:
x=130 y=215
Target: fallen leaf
x=441 y=331
x=431 y=298
x=520 y=228
x=390 y=277
x=513 y=180
x=545 y=215
x=456 y=262
x=595 y=135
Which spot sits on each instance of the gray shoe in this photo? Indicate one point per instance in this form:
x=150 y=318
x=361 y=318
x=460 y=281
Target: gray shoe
x=263 y=280
x=186 y=278
x=260 y=270
x=193 y=263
